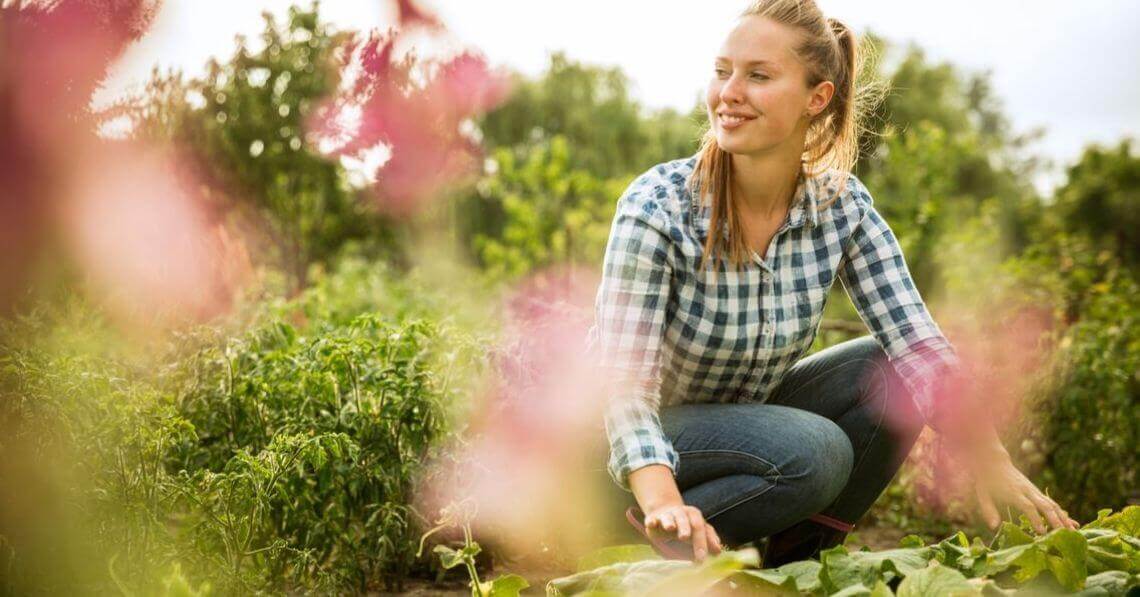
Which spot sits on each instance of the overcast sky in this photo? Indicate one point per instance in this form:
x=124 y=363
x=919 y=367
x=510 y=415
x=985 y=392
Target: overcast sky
x=1072 y=67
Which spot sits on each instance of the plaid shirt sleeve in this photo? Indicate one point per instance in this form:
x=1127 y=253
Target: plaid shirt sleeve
x=629 y=324
x=879 y=284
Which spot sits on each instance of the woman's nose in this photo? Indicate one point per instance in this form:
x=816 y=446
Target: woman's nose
x=733 y=91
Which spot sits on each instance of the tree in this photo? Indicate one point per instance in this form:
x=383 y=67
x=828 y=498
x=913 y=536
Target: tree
x=590 y=106
x=1101 y=199
x=936 y=150
x=243 y=124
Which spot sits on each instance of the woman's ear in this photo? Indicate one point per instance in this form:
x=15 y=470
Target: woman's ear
x=820 y=97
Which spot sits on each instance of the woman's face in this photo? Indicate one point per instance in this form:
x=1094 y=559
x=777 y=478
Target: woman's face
x=757 y=77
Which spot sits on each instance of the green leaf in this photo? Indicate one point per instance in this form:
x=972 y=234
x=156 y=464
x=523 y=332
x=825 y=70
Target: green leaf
x=856 y=590
x=1113 y=582
x=616 y=554
x=912 y=541
x=694 y=580
x=842 y=569
x=1125 y=522
x=622 y=577
x=935 y=580
x=1069 y=567
x=792 y=578
x=448 y=557
x=765 y=582
x=806 y=574
x=508 y=585
x=881 y=590
x=1010 y=535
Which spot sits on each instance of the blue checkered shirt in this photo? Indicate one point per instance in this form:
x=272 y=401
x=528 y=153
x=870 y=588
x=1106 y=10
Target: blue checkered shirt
x=666 y=332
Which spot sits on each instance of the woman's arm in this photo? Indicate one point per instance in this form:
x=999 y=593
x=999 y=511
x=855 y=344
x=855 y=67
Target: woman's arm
x=879 y=284
x=630 y=318
x=630 y=323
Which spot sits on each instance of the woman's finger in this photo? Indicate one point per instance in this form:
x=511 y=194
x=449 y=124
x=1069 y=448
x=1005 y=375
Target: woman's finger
x=1058 y=518
x=1066 y=520
x=700 y=537
x=989 y=510
x=1028 y=508
x=683 y=528
x=1051 y=511
x=714 y=539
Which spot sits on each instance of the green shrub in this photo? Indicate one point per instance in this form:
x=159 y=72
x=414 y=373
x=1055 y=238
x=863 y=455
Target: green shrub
x=1089 y=409
x=277 y=458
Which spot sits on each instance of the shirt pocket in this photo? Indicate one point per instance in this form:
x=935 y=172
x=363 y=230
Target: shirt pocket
x=803 y=321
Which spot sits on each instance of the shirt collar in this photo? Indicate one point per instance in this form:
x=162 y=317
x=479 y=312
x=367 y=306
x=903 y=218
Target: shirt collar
x=805 y=206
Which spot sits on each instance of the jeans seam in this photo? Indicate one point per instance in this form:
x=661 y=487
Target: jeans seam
x=747 y=455
x=882 y=414
x=773 y=480
x=805 y=384
x=747 y=498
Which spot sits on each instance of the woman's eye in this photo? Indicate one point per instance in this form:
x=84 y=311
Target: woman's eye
x=760 y=75
x=721 y=72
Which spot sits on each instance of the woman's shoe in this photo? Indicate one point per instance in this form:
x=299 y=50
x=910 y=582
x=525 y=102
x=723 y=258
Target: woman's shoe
x=670 y=549
x=804 y=540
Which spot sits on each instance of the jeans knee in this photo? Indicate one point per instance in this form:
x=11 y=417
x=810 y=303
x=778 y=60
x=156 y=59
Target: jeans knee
x=830 y=465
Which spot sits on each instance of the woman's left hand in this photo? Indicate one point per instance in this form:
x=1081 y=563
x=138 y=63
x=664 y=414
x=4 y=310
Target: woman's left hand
x=1000 y=482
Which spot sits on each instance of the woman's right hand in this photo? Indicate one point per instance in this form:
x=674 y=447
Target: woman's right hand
x=684 y=523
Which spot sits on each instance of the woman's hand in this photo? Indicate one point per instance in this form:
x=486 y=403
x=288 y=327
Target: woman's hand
x=1001 y=483
x=685 y=523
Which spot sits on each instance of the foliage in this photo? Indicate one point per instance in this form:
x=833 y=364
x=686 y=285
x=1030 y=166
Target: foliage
x=552 y=214
x=1084 y=422
x=507 y=585
x=1103 y=558
x=591 y=108
x=938 y=148
x=1100 y=198
x=281 y=456
x=244 y=123
x=563 y=147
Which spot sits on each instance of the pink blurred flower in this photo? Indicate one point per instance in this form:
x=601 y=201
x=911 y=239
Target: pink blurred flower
x=534 y=464
x=421 y=125
x=136 y=221
x=409 y=14
x=52 y=57
x=1000 y=357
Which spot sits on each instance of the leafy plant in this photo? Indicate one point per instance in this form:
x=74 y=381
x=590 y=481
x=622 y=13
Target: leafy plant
x=1102 y=558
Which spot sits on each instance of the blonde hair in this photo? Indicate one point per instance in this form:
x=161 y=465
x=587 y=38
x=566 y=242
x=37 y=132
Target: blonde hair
x=829 y=51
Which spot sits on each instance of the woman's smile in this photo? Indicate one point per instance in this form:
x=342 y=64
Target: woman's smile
x=729 y=123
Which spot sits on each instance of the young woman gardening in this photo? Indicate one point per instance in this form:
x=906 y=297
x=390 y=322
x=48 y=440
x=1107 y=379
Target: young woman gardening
x=721 y=431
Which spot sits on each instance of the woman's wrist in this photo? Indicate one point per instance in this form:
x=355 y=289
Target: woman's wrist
x=984 y=449
x=654 y=487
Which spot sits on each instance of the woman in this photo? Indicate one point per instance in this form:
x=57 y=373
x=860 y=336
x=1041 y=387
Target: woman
x=721 y=431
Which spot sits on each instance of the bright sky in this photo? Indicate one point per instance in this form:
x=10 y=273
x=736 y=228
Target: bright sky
x=1072 y=67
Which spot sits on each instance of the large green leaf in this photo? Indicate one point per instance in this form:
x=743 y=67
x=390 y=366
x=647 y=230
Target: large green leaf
x=842 y=569
x=936 y=580
x=616 y=554
x=1113 y=582
x=673 y=577
x=695 y=580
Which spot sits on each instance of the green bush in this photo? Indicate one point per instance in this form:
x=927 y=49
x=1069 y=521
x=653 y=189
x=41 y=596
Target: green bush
x=1088 y=426
x=277 y=458
x=552 y=214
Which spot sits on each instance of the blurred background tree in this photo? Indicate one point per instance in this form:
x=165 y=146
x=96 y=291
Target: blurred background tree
x=243 y=122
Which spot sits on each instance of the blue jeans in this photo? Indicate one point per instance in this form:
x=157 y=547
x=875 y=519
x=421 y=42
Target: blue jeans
x=824 y=442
